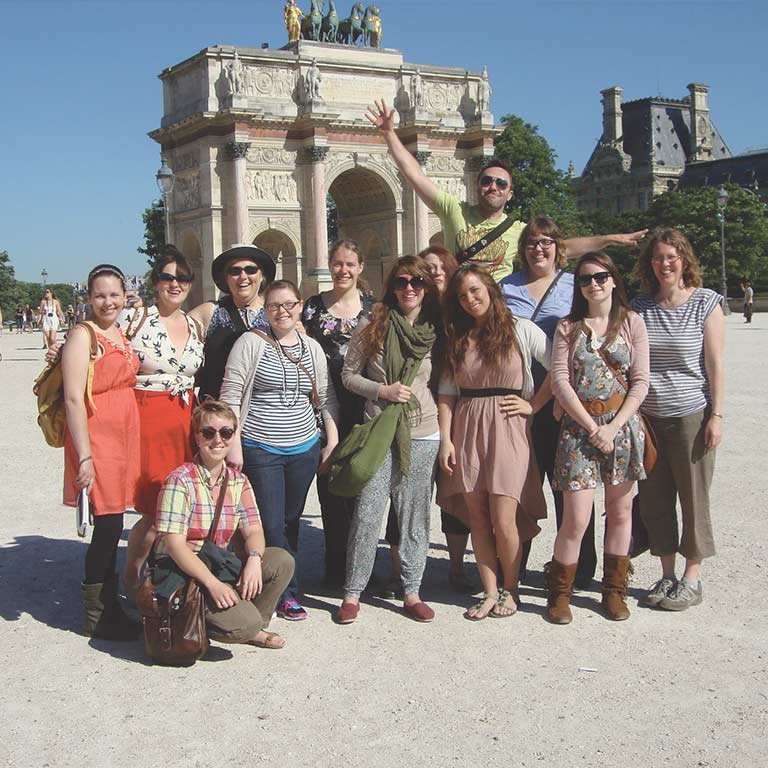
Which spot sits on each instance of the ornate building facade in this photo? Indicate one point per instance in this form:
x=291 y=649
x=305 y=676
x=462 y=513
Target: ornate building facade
x=645 y=147
x=259 y=138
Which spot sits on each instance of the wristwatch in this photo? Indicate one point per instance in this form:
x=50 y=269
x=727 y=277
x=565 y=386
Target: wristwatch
x=256 y=553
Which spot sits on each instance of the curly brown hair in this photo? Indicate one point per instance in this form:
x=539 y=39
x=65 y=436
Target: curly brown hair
x=372 y=336
x=543 y=226
x=674 y=237
x=495 y=335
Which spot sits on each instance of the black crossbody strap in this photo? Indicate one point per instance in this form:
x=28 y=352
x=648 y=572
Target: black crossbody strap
x=475 y=248
x=546 y=295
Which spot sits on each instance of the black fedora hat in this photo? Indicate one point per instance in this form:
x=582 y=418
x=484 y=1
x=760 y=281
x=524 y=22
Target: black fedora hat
x=260 y=258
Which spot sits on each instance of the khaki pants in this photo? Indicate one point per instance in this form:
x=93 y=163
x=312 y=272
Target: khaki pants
x=243 y=621
x=684 y=469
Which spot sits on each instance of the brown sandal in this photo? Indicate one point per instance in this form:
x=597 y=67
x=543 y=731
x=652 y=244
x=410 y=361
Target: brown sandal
x=479 y=607
x=269 y=641
x=504 y=596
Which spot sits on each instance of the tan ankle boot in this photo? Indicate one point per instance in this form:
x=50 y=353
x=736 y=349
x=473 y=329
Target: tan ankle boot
x=616 y=571
x=559 y=582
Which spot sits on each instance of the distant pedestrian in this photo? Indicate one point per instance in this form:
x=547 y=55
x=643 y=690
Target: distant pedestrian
x=70 y=316
x=50 y=317
x=21 y=319
x=746 y=286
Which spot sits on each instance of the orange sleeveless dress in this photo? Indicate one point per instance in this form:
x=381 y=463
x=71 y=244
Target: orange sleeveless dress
x=113 y=429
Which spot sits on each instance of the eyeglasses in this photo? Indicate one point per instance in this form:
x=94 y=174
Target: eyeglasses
x=251 y=269
x=274 y=306
x=544 y=242
x=601 y=278
x=417 y=283
x=486 y=181
x=225 y=433
x=167 y=277
x=673 y=259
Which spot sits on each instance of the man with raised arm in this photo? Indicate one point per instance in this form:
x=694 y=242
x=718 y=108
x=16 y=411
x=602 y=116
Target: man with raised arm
x=469 y=229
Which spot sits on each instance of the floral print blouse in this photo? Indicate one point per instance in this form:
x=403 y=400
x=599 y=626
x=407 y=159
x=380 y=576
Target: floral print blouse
x=162 y=368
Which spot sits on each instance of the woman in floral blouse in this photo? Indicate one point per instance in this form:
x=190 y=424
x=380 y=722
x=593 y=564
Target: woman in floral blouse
x=329 y=318
x=169 y=345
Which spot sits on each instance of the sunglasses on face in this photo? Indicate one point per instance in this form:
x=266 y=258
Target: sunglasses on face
x=544 y=242
x=417 y=283
x=288 y=306
x=486 y=181
x=601 y=278
x=251 y=269
x=225 y=433
x=167 y=277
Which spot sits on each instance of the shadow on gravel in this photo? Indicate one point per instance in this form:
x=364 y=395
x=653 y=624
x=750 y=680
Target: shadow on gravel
x=41 y=577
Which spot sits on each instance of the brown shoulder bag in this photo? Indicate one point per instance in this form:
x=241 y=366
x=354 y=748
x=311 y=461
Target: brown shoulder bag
x=174 y=627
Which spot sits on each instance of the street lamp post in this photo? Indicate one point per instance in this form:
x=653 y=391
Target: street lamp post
x=165 y=179
x=722 y=201
x=44 y=275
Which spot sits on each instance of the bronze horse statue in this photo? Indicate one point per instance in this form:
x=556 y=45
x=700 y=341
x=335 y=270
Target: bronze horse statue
x=313 y=21
x=330 y=28
x=372 y=27
x=352 y=28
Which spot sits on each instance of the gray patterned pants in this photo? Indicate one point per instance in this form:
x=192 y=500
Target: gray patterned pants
x=411 y=497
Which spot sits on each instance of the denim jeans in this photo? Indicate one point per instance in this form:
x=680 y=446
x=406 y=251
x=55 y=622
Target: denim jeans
x=280 y=485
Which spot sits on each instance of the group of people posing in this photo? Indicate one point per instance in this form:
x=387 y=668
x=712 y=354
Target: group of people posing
x=490 y=379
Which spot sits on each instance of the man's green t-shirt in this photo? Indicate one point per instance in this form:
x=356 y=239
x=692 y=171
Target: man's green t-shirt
x=463 y=226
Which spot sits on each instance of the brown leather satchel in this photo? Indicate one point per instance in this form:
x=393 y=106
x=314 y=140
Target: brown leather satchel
x=174 y=627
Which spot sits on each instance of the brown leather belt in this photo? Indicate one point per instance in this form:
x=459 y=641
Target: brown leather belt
x=601 y=407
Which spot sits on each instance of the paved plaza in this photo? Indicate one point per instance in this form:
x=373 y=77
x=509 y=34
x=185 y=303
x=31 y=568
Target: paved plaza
x=661 y=689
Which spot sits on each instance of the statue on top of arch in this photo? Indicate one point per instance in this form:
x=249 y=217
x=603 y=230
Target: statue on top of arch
x=361 y=27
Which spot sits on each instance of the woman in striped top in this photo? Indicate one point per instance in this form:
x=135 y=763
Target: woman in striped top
x=277 y=383
x=686 y=331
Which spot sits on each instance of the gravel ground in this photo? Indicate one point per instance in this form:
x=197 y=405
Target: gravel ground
x=667 y=689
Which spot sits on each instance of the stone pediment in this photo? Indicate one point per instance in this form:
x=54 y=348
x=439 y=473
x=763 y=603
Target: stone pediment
x=611 y=158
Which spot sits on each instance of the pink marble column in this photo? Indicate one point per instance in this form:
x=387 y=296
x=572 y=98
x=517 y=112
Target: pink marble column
x=420 y=210
x=318 y=261
x=238 y=151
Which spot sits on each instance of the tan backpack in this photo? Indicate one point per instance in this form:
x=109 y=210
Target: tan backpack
x=49 y=390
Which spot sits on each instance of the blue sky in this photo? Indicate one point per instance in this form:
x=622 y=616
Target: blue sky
x=80 y=91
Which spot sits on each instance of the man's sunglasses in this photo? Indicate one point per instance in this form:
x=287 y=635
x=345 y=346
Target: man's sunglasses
x=251 y=269
x=417 y=283
x=209 y=433
x=601 y=278
x=167 y=277
x=486 y=181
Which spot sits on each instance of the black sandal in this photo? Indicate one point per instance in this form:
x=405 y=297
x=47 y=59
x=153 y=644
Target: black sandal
x=504 y=596
x=479 y=606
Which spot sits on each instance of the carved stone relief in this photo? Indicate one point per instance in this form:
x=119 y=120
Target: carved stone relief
x=444 y=164
x=454 y=187
x=186 y=192
x=270 y=81
x=271 y=186
x=271 y=156
x=185 y=162
x=444 y=97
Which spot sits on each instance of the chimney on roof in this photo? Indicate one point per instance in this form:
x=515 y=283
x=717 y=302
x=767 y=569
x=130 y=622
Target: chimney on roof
x=701 y=128
x=612 y=126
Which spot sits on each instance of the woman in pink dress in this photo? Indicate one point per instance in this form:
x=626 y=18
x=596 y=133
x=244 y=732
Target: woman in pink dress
x=486 y=399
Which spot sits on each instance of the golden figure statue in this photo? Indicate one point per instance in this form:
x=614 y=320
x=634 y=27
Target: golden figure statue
x=292 y=16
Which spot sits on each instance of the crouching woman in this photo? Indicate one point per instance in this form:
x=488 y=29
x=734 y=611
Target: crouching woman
x=237 y=611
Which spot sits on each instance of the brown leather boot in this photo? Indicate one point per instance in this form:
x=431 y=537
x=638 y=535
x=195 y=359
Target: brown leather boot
x=616 y=571
x=558 y=579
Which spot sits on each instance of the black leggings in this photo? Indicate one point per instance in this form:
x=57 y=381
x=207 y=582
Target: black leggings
x=101 y=557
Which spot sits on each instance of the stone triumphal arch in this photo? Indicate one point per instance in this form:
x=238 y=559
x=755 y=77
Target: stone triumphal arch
x=259 y=139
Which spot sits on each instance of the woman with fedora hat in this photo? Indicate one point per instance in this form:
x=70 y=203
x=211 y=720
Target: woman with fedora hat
x=241 y=273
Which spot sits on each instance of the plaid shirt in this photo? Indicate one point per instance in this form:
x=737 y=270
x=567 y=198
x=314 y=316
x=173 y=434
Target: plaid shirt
x=187 y=504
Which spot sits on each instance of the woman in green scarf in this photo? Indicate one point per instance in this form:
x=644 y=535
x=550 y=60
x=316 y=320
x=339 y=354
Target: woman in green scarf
x=389 y=363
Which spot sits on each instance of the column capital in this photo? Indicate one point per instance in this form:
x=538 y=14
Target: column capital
x=474 y=164
x=237 y=149
x=317 y=154
x=422 y=157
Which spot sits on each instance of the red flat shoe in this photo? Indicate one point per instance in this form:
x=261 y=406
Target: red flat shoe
x=347 y=613
x=419 y=612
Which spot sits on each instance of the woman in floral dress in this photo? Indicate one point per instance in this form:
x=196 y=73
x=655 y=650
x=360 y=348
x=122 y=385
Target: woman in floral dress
x=329 y=318
x=600 y=374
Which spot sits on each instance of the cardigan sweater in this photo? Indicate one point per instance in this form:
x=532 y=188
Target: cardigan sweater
x=533 y=344
x=632 y=331
x=243 y=360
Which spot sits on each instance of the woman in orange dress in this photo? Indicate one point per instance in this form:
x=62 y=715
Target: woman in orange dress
x=101 y=446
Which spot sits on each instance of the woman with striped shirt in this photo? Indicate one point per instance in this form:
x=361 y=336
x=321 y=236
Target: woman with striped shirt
x=277 y=383
x=686 y=332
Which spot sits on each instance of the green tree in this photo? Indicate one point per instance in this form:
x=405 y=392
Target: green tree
x=539 y=187
x=154 y=231
x=8 y=295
